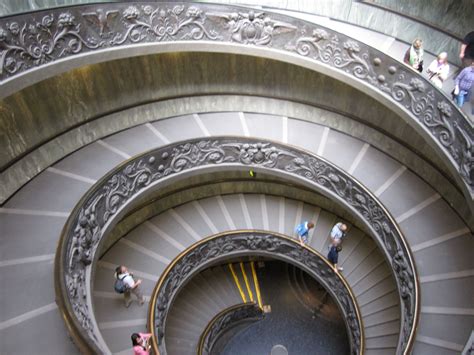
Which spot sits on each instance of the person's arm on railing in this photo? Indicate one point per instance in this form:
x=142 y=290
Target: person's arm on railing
x=463 y=49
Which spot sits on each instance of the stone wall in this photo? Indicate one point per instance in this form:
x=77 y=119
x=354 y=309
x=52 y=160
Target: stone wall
x=37 y=114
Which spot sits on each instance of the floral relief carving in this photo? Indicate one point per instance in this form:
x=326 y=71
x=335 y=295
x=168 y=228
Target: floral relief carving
x=147 y=23
x=408 y=89
x=252 y=27
x=326 y=48
x=29 y=44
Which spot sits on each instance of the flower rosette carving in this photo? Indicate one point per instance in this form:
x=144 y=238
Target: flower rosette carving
x=147 y=23
x=258 y=154
x=32 y=43
x=254 y=28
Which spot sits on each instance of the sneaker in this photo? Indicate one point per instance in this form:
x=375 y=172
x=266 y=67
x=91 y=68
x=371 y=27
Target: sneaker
x=141 y=302
x=127 y=304
x=340 y=268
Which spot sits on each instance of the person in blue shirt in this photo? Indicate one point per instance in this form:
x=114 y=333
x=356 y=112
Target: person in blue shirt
x=302 y=230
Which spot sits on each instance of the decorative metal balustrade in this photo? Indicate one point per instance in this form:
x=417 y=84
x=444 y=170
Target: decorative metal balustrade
x=103 y=205
x=31 y=41
x=226 y=320
x=220 y=247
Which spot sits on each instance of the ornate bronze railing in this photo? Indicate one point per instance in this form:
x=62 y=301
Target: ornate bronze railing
x=224 y=321
x=218 y=248
x=105 y=203
x=32 y=41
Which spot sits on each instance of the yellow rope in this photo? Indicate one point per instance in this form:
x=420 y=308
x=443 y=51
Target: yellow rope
x=257 y=286
x=249 y=290
x=242 y=294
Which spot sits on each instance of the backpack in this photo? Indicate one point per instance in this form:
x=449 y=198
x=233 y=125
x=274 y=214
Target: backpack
x=301 y=229
x=120 y=286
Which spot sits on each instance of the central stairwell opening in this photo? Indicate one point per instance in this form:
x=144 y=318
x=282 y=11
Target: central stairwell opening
x=298 y=314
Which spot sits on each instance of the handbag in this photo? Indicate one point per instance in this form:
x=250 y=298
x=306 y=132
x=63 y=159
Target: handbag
x=453 y=95
x=420 y=67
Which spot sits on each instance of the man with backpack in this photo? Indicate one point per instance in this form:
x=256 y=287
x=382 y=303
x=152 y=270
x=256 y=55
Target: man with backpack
x=302 y=230
x=126 y=284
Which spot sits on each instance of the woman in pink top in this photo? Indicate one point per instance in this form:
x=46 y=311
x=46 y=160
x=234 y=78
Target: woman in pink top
x=140 y=343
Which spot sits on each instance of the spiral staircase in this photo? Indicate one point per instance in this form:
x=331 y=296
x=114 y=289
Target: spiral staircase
x=436 y=223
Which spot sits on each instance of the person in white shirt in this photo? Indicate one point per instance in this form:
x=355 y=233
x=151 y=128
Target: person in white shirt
x=122 y=273
x=338 y=231
x=438 y=71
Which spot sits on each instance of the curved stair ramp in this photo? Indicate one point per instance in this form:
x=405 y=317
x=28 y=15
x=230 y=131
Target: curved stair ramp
x=238 y=244
x=202 y=299
x=437 y=226
x=364 y=266
x=433 y=229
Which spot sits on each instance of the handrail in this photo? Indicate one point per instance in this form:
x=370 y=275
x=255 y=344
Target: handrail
x=105 y=203
x=31 y=42
x=219 y=247
x=225 y=320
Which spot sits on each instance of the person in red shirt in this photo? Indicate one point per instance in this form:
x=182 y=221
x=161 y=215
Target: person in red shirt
x=141 y=344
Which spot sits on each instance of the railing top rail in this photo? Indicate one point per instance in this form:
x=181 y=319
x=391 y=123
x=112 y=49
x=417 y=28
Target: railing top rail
x=219 y=323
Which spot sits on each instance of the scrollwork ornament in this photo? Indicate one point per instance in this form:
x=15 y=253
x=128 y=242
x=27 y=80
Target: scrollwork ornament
x=31 y=44
x=161 y=23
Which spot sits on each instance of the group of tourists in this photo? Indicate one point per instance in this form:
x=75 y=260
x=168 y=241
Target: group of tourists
x=438 y=70
x=126 y=284
x=337 y=235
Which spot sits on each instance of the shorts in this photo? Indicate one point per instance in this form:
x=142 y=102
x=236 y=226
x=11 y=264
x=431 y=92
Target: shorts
x=333 y=255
